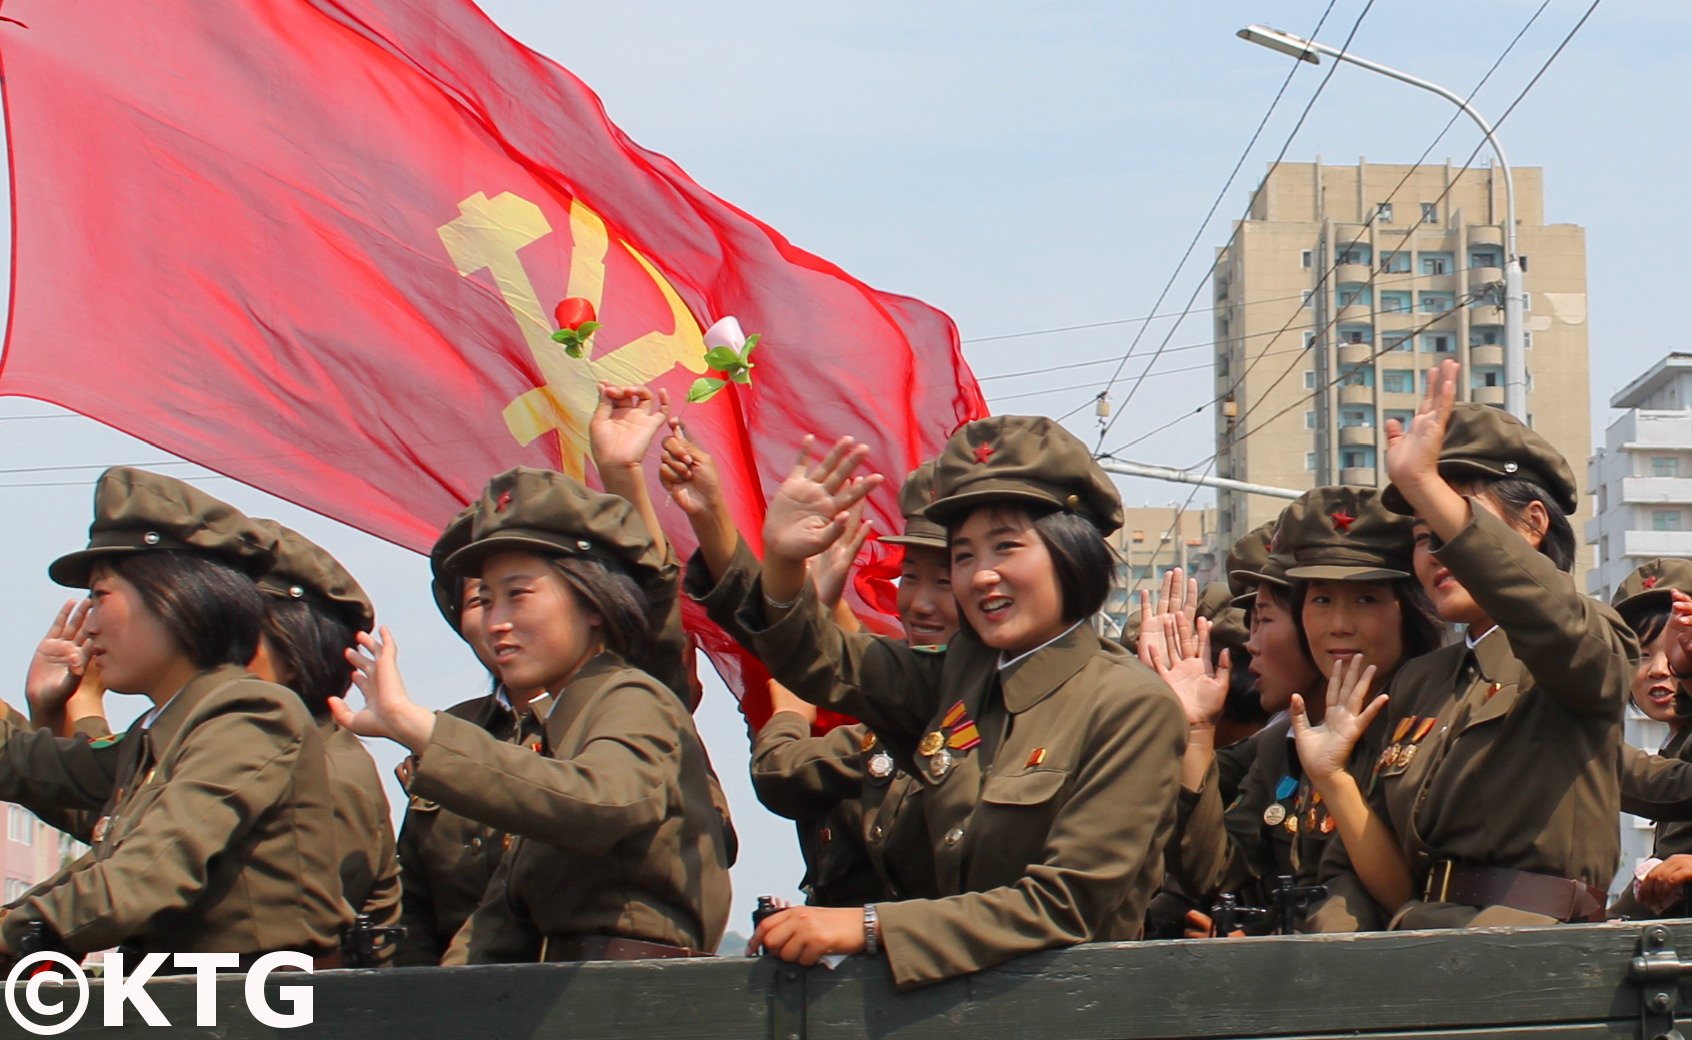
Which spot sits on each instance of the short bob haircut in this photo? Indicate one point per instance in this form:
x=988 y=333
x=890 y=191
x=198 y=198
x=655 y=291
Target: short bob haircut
x=1081 y=558
x=309 y=642
x=1514 y=495
x=212 y=609
x=608 y=590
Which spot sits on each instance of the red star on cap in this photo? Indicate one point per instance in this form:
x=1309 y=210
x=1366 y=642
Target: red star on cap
x=983 y=452
x=502 y=502
x=1650 y=581
x=1342 y=521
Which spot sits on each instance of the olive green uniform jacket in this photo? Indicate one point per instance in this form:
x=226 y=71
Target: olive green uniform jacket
x=1518 y=764
x=216 y=832
x=447 y=859
x=614 y=830
x=1646 y=781
x=364 y=829
x=1060 y=839
x=865 y=841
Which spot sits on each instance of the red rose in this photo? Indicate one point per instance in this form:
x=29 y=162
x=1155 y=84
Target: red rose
x=574 y=312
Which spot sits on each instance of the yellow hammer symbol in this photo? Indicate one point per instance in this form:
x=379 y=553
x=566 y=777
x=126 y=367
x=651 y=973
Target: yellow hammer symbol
x=486 y=236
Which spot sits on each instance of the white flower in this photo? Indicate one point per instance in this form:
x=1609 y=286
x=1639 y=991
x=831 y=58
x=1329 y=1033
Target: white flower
x=725 y=333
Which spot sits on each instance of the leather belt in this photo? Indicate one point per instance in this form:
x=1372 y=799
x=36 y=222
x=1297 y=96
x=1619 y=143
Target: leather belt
x=608 y=948
x=1544 y=894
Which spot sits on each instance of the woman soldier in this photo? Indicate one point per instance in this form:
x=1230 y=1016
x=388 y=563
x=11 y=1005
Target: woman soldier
x=1049 y=760
x=1645 y=602
x=1496 y=797
x=216 y=823
x=1348 y=559
x=315 y=609
x=614 y=793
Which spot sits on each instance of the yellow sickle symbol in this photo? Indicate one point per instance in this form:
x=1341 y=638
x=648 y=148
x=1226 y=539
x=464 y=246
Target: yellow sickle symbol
x=486 y=235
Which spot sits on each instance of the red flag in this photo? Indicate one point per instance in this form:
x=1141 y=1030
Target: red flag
x=315 y=246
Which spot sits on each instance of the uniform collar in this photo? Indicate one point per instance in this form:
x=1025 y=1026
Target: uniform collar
x=1493 y=658
x=559 y=713
x=1030 y=678
x=1003 y=664
x=174 y=713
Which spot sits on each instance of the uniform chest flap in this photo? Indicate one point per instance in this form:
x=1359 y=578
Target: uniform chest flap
x=1492 y=701
x=1029 y=787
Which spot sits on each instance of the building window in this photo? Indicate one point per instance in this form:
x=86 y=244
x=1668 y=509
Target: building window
x=18 y=825
x=1350 y=297
x=1430 y=212
x=1356 y=458
x=1665 y=519
x=1403 y=415
x=1355 y=417
x=1479 y=337
x=1396 y=262
x=1398 y=381
x=1309 y=340
x=1483 y=258
x=1527 y=301
x=1398 y=341
x=1603 y=498
x=1436 y=303
x=1383 y=212
x=1355 y=254
x=1310 y=420
x=1527 y=340
x=1436 y=263
x=1436 y=343
x=1665 y=466
x=1358 y=375
x=1307 y=295
x=1355 y=336
x=1310 y=461
x=1395 y=302
x=1309 y=379
x=15 y=889
x=1306 y=258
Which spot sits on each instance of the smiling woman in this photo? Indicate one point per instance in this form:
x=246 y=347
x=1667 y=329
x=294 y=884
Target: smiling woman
x=1048 y=760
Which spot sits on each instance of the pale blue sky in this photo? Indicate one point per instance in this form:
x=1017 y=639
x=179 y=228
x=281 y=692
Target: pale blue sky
x=1021 y=166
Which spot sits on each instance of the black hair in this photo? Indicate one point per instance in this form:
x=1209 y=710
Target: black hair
x=1647 y=623
x=610 y=591
x=1514 y=495
x=211 y=609
x=1420 y=629
x=309 y=642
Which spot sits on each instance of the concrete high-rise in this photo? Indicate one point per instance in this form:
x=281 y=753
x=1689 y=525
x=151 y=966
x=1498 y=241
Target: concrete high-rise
x=1346 y=283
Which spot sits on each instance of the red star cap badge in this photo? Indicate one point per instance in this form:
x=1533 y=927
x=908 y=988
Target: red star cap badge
x=503 y=502
x=1650 y=581
x=983 y=452
x=1342 y=521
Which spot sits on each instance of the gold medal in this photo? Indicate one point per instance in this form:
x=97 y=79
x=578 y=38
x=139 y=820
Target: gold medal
x=868 y=741
x=881 y=765
x=940 y=764
x=1275 y=814
x=1408 y=753
x=1327 y=825
x=931 y=743
x=1292 y=824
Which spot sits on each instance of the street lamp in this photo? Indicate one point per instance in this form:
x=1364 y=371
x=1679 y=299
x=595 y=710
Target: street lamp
x=1515 y=352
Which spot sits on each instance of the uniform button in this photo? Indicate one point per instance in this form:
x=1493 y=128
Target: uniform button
x=954 y=835
x=875 y=832
x=476 y=844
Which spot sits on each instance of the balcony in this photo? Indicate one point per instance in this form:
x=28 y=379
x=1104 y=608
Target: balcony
x=1486 y=235
x=1357 y=395
x=1493 y=395
x=1358 y=313
x=1656 y=543
x=1648 y=491
x=1361 y=476
x=1352 y=274
x=1356 y=353
x=1357 y=436
x=1486 y=355
x=1442 y=283
x=1397 y=321
x=1656 y=428
x=1479 y=276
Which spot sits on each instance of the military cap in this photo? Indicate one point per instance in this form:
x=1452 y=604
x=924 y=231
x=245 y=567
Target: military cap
x=1250 y=563
x=137 y=511
x=443 y=585
x=1340 y=533
x=543 y=511
x=914 y=496
x=1652 y=586
x=305 y=570
x=1487 y=442
x=1021 y=458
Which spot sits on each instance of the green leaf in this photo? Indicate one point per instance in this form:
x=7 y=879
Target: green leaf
x=573 y=349
x=721 y=359
x=586 y=329
x=741 y=376
x=751 y=341
x=563 y=336
x=703 y=389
